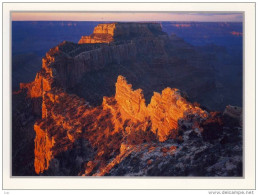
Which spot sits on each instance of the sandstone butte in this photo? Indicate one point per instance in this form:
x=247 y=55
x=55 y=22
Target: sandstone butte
x=106 y=33
x=109 y=127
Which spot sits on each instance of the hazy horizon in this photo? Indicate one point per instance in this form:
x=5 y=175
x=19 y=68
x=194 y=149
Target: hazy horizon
x=128 y=16
x=126 y=21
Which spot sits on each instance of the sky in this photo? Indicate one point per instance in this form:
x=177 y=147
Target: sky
x=127 y=16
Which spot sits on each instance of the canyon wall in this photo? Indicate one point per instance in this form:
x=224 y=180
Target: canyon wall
x=67 y=70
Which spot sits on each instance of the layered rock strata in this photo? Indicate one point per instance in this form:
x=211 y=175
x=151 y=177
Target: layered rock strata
x=106 y=33
x=163 y=112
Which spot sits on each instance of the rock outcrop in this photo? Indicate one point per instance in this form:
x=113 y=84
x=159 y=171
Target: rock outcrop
x=59 y=127
x=234 y=112
x=192 y=157
x=163 y=112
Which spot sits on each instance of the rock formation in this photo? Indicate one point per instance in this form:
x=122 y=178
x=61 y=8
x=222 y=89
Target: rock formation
x=163 y=112
x=138 y=51
x=76 y=137
x=123 y=115
x=106 y=33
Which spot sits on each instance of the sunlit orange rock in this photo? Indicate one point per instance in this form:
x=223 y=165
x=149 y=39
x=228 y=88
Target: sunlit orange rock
x=34 y=88
x=42 y=151
x=103 y=33
x=105 y=29
x=126 y=114
x=167 y=108
x=107 y=33
x=164 y=110
x=131 y=103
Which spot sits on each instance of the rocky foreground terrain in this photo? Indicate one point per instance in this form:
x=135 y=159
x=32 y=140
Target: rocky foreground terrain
x=80 y=116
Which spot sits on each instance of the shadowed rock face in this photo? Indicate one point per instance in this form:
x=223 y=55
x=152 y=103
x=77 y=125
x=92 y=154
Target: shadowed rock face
x=150 y=62
x=89 y=119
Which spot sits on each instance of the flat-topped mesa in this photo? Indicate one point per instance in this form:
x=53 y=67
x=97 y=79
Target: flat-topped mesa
x=103 y=33
x=106 y=33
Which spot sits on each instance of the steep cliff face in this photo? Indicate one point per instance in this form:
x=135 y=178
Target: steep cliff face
x=42 y=151
x=59 y=126
x=67 y=63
